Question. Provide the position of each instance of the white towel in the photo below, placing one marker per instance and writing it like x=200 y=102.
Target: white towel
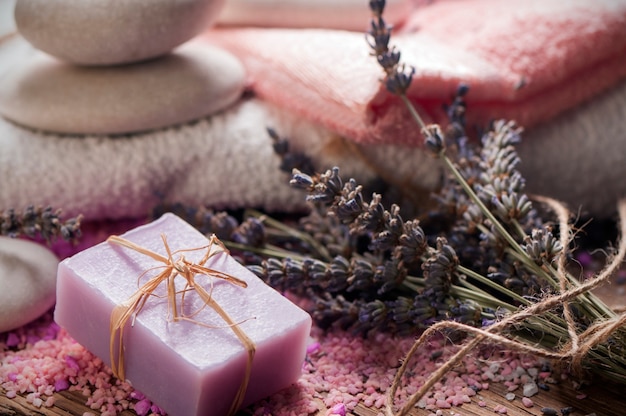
x=225 y=161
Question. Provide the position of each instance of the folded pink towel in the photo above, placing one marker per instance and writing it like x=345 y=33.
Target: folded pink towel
x=527 y=61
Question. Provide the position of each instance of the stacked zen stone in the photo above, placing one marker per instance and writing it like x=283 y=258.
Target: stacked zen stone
x=93 y=67
x=90 y=67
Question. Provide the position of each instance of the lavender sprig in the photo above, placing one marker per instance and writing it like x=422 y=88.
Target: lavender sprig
x=39 y=222
x=513 y=242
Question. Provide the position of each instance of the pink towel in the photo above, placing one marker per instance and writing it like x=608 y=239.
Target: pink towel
x=527 y=61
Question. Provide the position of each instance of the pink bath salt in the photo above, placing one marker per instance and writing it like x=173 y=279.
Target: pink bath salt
x=442 y=404
x=512 y=387
x=142 y=407
x=527 y=402
x=337 y=410
x=500 y=409
x=313 y=348
x=204 y=365
x=137 y=395
x=61 y=384
x=71 y=363
x=37 y=402
x=469 y=391
x=12 y=340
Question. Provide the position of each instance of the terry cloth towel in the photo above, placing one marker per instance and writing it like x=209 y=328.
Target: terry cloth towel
x=552 y=65
x=224 y=161
x=529 y=62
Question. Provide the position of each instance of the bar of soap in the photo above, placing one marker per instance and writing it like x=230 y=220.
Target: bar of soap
x=184 y=367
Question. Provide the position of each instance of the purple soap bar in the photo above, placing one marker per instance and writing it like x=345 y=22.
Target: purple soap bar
x=185 y=367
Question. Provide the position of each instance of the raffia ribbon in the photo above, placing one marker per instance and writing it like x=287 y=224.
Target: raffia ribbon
x=188 y=270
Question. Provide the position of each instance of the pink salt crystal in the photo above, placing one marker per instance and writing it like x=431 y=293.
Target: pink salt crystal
x=142 y=407
x=500 y=409
x=12 y=340
x=527 y=402
x=184 y=367
x=71 y=363
x=337 y=410
x=442 y=404
x=61 y=384
x=313 y=348
x=512 y=387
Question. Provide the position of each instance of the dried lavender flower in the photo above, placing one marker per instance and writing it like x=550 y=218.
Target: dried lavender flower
x=398 y=76
x=43 y=222
x=290 y=160
x=542 y=246
x=440 y=267
x=433 y=139
x=250 y=232
x=222 y=224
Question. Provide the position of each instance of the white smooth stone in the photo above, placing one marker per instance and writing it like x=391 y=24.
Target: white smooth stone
x=28 y=274
x=41 y=92
x=353 y=15
x=96 y=32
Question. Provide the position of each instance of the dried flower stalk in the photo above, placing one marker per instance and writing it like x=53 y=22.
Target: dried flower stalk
x=44 y=222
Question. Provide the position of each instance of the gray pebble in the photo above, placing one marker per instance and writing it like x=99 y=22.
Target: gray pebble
x=44 y=93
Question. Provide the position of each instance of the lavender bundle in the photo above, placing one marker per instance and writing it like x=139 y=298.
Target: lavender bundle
x=483 y=264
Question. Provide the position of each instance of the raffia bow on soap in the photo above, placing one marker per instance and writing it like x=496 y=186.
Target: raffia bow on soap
x=188 y=270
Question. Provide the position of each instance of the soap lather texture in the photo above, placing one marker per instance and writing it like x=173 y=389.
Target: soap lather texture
x=184 y=367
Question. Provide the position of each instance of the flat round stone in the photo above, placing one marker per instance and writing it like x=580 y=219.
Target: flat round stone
x=28 y=274
x=351 y=15
x=41 y=92
x=97 y=32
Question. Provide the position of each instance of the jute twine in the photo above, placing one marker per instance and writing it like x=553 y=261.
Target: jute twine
x=573 y=352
